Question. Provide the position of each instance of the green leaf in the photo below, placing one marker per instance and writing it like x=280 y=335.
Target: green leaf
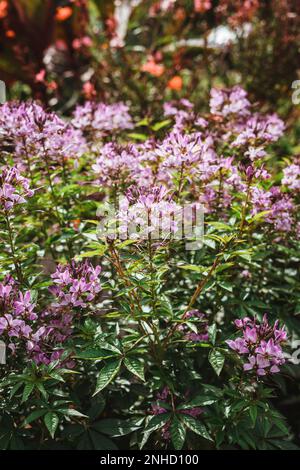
x=71 y=412
x=15 y=388
x=94 y=354
x=157 y=422
x=137 y=136
x=101 y=442
x=192 y=267
x=226 y=286
x=253 y=413
x=107 y=374
x=200 y=400
x=212 y=333
x=27 y=391
x=178 y=433
x=42 y=389
x=92 y=253
x=160 y=125
x=34 y=415
x=196 y=426
x=51 y=421
x=135 y=366
x=216 y=360
x=116 y=427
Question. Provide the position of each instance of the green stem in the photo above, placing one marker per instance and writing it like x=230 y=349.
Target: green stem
x=17 y=265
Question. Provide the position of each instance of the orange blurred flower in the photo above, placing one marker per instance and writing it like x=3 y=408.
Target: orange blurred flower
x=3 y=9
x=52 y=85
x=180 y=14
x=76 y=223
x=10 y=33
x=175 y=83
x=63 y=13
x=153 y=68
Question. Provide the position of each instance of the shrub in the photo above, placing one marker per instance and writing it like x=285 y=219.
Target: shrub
x=147 y=336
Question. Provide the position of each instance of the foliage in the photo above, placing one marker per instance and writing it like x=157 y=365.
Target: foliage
x=148 y=51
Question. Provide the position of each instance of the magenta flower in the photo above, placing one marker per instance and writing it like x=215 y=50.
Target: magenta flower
x=37 y=135
x=14 y=188
x=250 y=335
x=239 y=345
x=262 y=344
x=97 y=119
x=76 y=284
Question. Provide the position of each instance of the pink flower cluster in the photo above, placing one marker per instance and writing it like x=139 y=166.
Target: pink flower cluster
x=76 y=284
x=291 y=176
x=17 y=312
x=214 y=159
x=14 y=188
x=31 y=133
x=97 y=119
x=260 y=343
x=44 y=334
x=279 y=206
x=148 y=212
x=231 y=101
x=116 y=164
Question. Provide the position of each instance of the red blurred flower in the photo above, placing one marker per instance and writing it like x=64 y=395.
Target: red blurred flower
x=153 y=68
x=40 y=77
x=88 y=90
x=201 y=6
x=80 y=42
x=52 y=85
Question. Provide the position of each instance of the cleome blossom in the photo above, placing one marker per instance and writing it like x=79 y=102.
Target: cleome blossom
x=97 y=119
x=17 y=313
x=14 y=188
x=148 y=212
x=260 y=344
x=34 y=134
x=44 y=334
x=116 y=164
x=291 y=176
x=76 y=284
x=225 y=102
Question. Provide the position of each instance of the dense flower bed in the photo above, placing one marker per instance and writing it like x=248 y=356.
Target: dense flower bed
x=140 y=338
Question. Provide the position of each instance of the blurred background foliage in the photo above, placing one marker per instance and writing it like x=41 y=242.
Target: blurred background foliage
x=148 y=51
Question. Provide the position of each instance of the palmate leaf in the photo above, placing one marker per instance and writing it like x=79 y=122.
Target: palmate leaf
x=178 y=433
x=51 y=421
x=135 y=366
x=107 y=374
